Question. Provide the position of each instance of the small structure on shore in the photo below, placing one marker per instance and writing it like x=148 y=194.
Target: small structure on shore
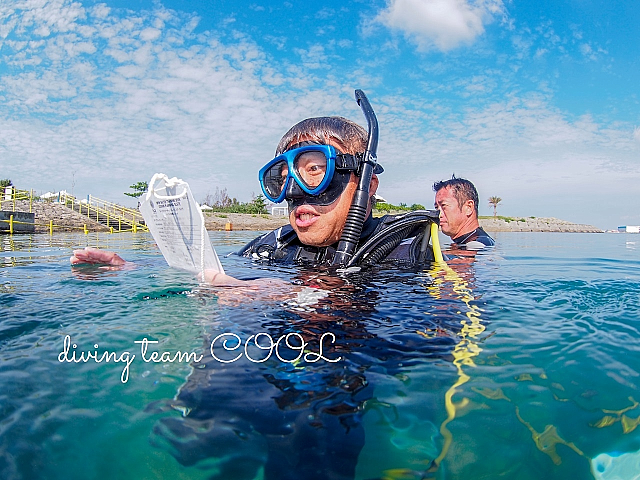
x=49 y=196
x=279 y=211
x=629 y=229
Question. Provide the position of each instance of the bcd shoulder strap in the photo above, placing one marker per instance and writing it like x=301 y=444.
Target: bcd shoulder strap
x=392 y=231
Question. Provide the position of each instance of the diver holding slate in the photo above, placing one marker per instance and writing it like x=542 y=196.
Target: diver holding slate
x=327 y=171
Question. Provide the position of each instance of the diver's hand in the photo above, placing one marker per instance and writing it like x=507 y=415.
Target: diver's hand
x=234 y=292
x=218 y=279
x=214 y=277
x=95 y=256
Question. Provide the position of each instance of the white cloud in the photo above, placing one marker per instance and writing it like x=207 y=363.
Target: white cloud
x=540 y=52
x=100 y=11
x=586 y=49
x=150 y=34
x=50 y=16
x=313 y=57
x=444 y=24
x=279 y=42
x=325 y=13
x=590 y=52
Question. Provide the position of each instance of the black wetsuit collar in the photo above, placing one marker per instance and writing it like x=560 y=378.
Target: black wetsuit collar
x=477 y=235
x=462 y=239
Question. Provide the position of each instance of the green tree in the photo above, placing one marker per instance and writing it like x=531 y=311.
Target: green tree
x=494 y=201
x=5 y=182
x=138 y=189
x=260 y=204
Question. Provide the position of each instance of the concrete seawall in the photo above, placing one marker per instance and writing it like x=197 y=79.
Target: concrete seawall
x=24 y=222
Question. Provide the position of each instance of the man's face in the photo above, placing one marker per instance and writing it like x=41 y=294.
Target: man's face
x=322 y=225
x=454 y=221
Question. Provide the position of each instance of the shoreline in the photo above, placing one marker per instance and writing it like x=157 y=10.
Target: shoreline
x=66 y=219
x=244 y=221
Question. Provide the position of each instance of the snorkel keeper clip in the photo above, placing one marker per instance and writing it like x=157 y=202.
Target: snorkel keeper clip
x=358 y=211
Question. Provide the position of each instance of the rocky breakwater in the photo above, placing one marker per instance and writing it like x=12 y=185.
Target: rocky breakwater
x=534 y=224
x=64 y=219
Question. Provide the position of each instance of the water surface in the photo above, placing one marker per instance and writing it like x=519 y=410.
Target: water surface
x=521 y=364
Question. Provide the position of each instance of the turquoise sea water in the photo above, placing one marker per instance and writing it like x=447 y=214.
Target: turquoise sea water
x=522 y=364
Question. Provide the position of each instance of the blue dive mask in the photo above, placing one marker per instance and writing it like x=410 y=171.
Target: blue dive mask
x=316 y=173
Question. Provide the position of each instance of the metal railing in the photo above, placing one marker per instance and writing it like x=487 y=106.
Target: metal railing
x=116 y=217
x=12 y=194
x=116 y=209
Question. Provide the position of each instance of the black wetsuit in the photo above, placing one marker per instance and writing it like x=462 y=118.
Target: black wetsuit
x=392 y=237
x=303 y=421
x=476 y=240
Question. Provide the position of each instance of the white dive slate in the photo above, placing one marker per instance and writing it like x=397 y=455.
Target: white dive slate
x=175 y=220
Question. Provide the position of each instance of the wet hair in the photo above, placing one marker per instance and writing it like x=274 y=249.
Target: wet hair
x=345 y=134
x=461 y=188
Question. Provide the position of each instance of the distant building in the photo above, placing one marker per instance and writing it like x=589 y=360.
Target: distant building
x=629 y=229
x=280 y=211
x=48 y=195
x=55 y=196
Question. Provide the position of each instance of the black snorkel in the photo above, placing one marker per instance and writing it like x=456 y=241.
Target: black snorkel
x=358 y=211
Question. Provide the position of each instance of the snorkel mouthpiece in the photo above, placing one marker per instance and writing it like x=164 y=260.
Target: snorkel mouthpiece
x=358 y=211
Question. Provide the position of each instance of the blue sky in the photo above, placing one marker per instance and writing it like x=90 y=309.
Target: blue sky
x=534 y=101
